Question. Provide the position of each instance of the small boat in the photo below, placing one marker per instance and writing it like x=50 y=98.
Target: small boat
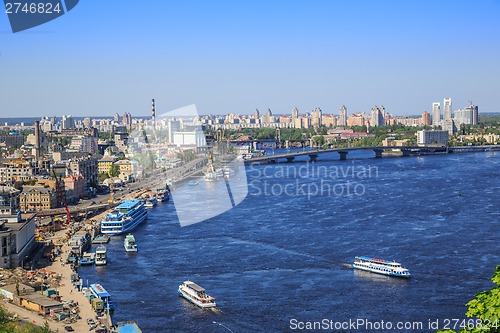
x=130 y=244
x=162 y=194
x=150 y=202
x=101 y=239
x=87 y=259
x=100 y=255
x=128 y=327
x=196 y=295
x=380 y=266
x=192 y=183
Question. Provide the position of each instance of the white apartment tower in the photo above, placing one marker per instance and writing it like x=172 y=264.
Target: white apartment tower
x=436 y=113
x=343 y=116
x=447 y=109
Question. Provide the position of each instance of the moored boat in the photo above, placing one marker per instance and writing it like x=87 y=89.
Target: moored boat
x=196 y=295
x=380 y=266
x=124 y=217
x=100 y=255
x=87 y=259
x=129 y=243
x=101 y=239
x=150 y=202
x=98 y=291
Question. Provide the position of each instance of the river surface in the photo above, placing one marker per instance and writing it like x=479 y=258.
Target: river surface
x=282 y=255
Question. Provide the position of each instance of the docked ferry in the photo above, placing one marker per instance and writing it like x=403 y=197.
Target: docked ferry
x=380 y=266
x=124 y=218
x=100 y=255
x=196 y=295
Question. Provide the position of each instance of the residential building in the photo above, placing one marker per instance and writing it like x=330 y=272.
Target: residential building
x=435 y=137
x=12 y=140
x=9 y=200
x=426 y=118
x=16 y=169
x=343 y=116
x=105 y=163
x=87 y=167
x=75 y=187
x=17 y=238
x=436 y=113
x=447 y=109
x=37 y=197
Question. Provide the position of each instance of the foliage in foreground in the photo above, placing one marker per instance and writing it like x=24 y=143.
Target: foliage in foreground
x=485 y=309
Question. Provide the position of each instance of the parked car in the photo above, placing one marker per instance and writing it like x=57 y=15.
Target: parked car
x=68 y=329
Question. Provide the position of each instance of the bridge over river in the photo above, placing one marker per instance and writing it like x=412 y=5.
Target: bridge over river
x=378 y=150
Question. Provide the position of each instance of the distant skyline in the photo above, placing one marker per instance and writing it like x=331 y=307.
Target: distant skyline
x=226 y=56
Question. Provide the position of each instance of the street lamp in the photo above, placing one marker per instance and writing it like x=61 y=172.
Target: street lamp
x=220 y=324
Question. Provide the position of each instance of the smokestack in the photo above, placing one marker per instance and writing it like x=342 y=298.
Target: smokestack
x=153 y=113
x=37 y=140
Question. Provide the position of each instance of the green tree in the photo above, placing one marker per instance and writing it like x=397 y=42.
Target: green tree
x=114 y=170
x=485 y=307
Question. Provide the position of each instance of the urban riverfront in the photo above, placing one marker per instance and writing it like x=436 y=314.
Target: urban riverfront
x=272 y=259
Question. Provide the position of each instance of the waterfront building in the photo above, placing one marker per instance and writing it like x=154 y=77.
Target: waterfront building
x=434 y=137
x=25 y=296
x=436 y=113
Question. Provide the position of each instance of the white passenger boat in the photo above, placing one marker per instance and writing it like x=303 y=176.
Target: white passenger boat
x=100 y=255
x=380 y=266
x=124 y=218
x=196 y=295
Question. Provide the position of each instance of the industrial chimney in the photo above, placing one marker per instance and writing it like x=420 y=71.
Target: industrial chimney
x=37 y=141
x=153 y=113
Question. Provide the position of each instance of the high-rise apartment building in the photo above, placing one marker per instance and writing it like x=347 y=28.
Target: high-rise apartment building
x=447 y=109
x=436 y=113
x=343 y=116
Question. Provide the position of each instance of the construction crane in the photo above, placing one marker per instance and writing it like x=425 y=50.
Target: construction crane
x=62 y=195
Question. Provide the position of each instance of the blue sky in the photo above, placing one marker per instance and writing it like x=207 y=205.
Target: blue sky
x=234 y=56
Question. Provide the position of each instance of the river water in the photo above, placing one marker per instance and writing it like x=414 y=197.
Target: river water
x=281 y=256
